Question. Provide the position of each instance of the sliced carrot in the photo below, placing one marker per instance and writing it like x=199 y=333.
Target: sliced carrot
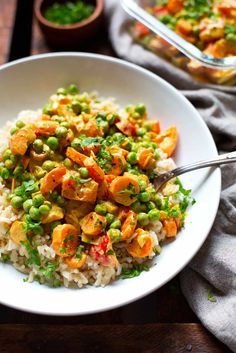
x=74 y=262
x=76 y=156
x=25 y=161
x=73 y=190
x=155 y=126
x=145 y=158
x=20 y=141
x=175 y=6
x=122 y=213
x=127 y=127
x=129 y=225
x=170 y=227
x=95 y=171
x=45 y=128
x=18 y=232
x=52 y=179
x=141 y=29
x=141 y=245
x=93 y=224
x=184 y=27
x=89 y=127
x=167 y=140
x=124 y=189
x=65 y=240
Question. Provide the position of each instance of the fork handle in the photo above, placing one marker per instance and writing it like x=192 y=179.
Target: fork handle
x=221 y=159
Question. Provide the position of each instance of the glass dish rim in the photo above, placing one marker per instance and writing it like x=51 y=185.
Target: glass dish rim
x=191 y=51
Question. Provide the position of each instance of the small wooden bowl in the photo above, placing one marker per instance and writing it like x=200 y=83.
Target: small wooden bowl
x=68 y=36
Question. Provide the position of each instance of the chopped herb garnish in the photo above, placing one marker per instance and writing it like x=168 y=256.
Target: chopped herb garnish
x=134 y=271
x=48 y=270
x=4 y=257
x=34 y=258
x=78 y=254
x=210 y=296
x=110 y=252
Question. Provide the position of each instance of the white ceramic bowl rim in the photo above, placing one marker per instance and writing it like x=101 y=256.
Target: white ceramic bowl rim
x=127 y=295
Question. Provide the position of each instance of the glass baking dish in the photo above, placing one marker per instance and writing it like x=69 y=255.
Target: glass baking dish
x=179 y=51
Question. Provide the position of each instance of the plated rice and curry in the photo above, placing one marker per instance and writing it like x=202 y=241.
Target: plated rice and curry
x=77 y=201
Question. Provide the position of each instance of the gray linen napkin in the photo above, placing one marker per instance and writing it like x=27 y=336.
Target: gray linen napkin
x=209 y=282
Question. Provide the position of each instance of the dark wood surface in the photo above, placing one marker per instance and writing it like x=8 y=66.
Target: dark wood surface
x=161 y=322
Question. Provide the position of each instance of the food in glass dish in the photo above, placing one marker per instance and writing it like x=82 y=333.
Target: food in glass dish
x=209 y=25
x=78 y=205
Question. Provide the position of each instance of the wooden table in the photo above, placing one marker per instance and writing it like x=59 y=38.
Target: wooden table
x=161 y=322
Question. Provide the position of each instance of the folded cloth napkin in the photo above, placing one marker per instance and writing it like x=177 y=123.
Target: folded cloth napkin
x=209 y=282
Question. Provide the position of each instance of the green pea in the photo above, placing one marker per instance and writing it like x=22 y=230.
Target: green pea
x=85 y=108
x=67 y=163
x=44 y=210
x=27 y=205
x=115 y=235
x=132 y=158
x=157 y=200
x=231 y=37
x=47 y=109
x=5 y=174
x=150 y=205
x=115 y=224
x=27 y=176
x=62 y=91
x=7 y=154
x=112 y=131
x=136 y=206
x=143 y=207
x=53 y=143
x=9 y=164
x=141 y=131
x=110 y=218
x=20 y=124
x=38 y=229
x=34 y=213
x=136 y=115
x=38 y=200
x=147 y=126
x=84 y=173
x=142 y=184
x=77 y=107
x=143 y=219
x=154 y=215
x=140 y=108
x=13 y=130
x=54 y=195
x=18 y=171
x=111 y=118
x=60 y=200
x=48 y=165
x=57 y=118
x=144 y=196
x=61 y=131
x=17 y=202
x=65 y=124
x=38 y=146
x=101 y=209
x=73 y=89
x=76 y=143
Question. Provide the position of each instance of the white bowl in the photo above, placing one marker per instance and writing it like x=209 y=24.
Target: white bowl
x=27 y=84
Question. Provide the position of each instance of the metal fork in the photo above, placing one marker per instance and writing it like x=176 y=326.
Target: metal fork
x=161 y=179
